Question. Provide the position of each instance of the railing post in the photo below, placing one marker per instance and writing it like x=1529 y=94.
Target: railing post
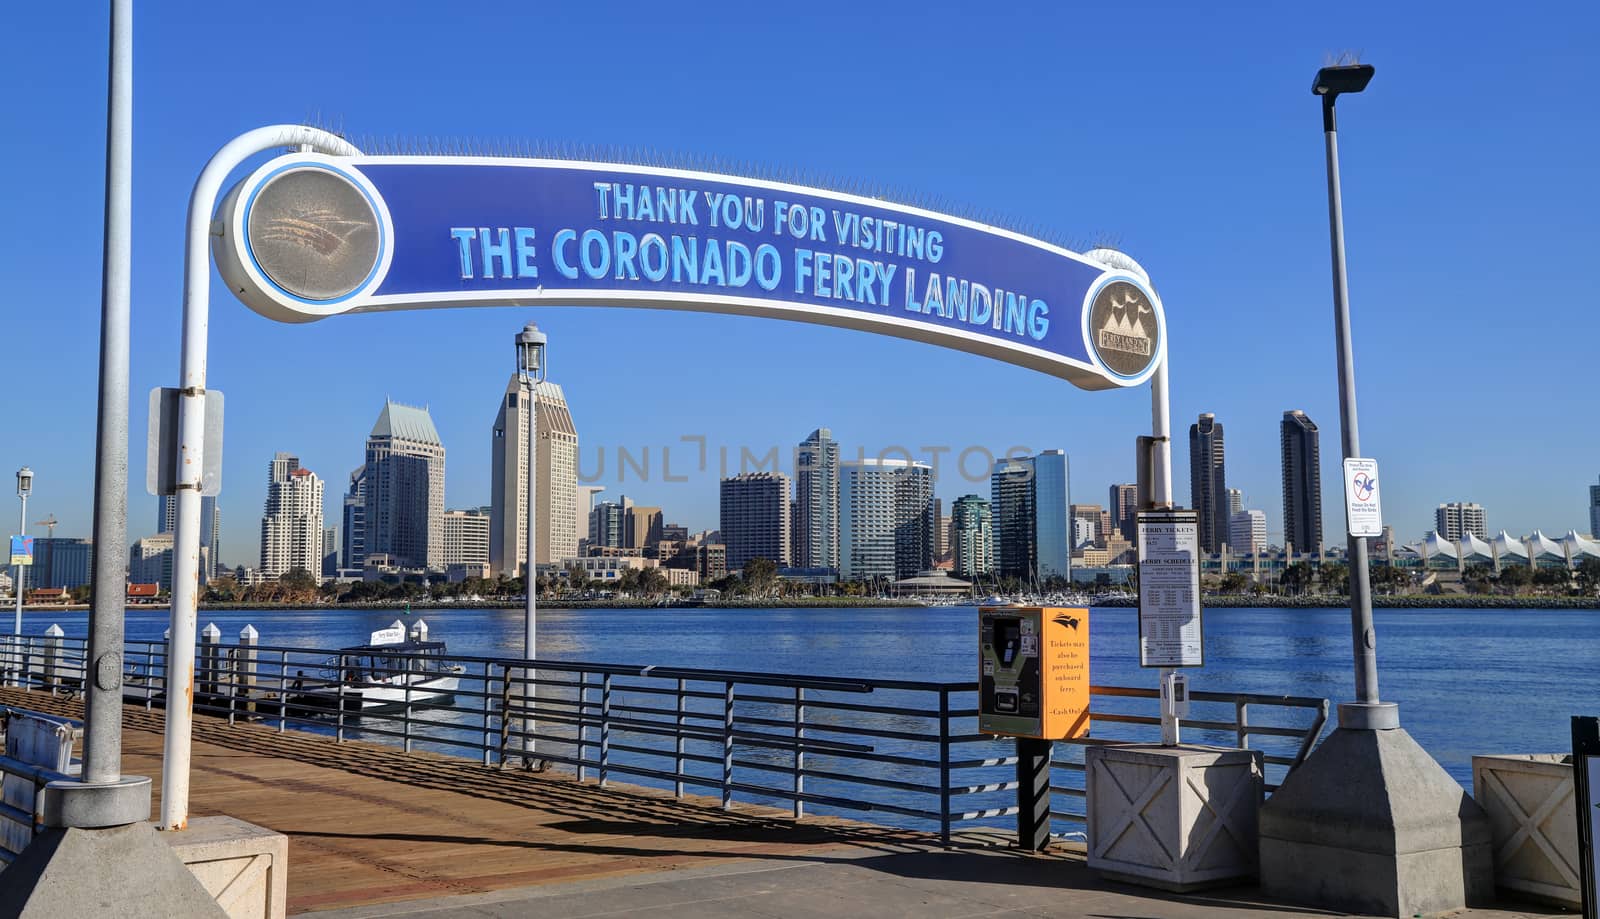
x=338 y=674
x=283 y=690
x=405 y=730
x=679 y=722
x=232 y=683
x=799 y=751
x=605 y=729
x=505 y=712
x=485 y=700
x=727 y=745
x=52 y=655
x=1241 y=717
x=245 y=676
x=149 y=676
x=583 y=724
x=210 y=643
x=944 y=767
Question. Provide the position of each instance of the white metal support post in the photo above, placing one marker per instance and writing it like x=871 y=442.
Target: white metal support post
x=18 y=581
x=1161 y=498
x=530 y=373
x=191 y=432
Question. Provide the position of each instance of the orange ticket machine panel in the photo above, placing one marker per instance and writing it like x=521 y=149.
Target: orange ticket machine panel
x=1033 y=678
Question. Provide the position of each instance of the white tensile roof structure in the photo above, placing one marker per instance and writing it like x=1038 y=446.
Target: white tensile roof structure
x=1579 y=548
x=1509 y=548
x=1433 y=544
x=1543 y=548
x=1475 y=550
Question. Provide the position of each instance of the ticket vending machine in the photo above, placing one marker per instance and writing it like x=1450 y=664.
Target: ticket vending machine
x=1033 y=677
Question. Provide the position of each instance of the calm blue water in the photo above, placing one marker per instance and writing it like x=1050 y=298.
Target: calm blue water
x=1467 y=681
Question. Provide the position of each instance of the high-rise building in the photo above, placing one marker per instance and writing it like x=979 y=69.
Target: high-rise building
x=1208 y=482
x=1453 y=521
x=886 y=519
x=404 y=517
x=1302 y=482
x=1247 y=532
x=1235 y=502
x=1594 y=511
x=466 y=536
x=556 y=458
x=606 y=526
x=353 y=528
x=816 y=539
x=644 y=526
x=1124 y=508
x=150 y=561
x=291 y=520
x=61 y=562
x=1032 y=519
x=1097 y=525
x=973 y=536
x=210 y=529
x=330 y=553
x=755 y=518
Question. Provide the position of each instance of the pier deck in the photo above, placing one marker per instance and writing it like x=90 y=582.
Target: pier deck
x=376 y=832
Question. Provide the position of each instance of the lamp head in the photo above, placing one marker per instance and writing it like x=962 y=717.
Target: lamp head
x=1342 y=78
x=24 y=481
x=530 y=353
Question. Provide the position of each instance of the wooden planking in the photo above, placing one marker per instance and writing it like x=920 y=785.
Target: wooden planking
x=370 y=824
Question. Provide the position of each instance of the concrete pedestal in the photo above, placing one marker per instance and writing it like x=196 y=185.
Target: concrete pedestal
x=243 y=866
x=117 y=871
x=1176 y=818
x=1371 y=824
x=1531 y=803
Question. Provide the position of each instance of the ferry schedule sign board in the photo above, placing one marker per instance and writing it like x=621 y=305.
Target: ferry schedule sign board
x=1171 y=633
x=308 y=236
x=1586 y=775
x=1363 y=512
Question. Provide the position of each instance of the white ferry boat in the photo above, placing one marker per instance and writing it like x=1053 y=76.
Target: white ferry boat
x=390 y=671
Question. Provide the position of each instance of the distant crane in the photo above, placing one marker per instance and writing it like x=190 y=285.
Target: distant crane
x=49 y=522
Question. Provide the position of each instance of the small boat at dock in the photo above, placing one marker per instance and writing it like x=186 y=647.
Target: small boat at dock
x=392 y=670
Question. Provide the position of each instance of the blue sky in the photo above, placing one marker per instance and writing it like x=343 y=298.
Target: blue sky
x=1185 y=133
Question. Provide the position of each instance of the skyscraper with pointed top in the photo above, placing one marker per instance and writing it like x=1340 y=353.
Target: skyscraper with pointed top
x=1208 y=482
x=556 y=491
x=1302 y=482
x=816 y=525
x=404 y=488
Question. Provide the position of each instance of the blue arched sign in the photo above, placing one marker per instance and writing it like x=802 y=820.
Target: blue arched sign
x=308 y=236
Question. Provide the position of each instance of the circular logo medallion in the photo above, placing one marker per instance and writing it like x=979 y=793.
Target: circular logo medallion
x=1123 y=327
x=314 y=234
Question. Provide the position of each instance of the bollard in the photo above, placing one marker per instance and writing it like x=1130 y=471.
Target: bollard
x=52 y=657
x=210 y=658
x=244 y=677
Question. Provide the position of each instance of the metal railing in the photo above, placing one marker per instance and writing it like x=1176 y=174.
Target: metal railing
x=17 y=825
x=896 y=752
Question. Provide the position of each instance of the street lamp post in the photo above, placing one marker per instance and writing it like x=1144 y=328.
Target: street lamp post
x=24 y=486
x=530 y=373
x=1367 y=712
x=1369 y=823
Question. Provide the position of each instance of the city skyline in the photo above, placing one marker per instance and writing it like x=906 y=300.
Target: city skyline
x=1261 y=166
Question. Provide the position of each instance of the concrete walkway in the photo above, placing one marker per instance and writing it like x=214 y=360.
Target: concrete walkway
x=925 y=885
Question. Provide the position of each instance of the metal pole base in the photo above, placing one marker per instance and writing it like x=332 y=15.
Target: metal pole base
x=86 y=806
x=1369 y=716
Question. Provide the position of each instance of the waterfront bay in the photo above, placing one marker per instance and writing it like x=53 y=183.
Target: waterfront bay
x=1467 y=681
